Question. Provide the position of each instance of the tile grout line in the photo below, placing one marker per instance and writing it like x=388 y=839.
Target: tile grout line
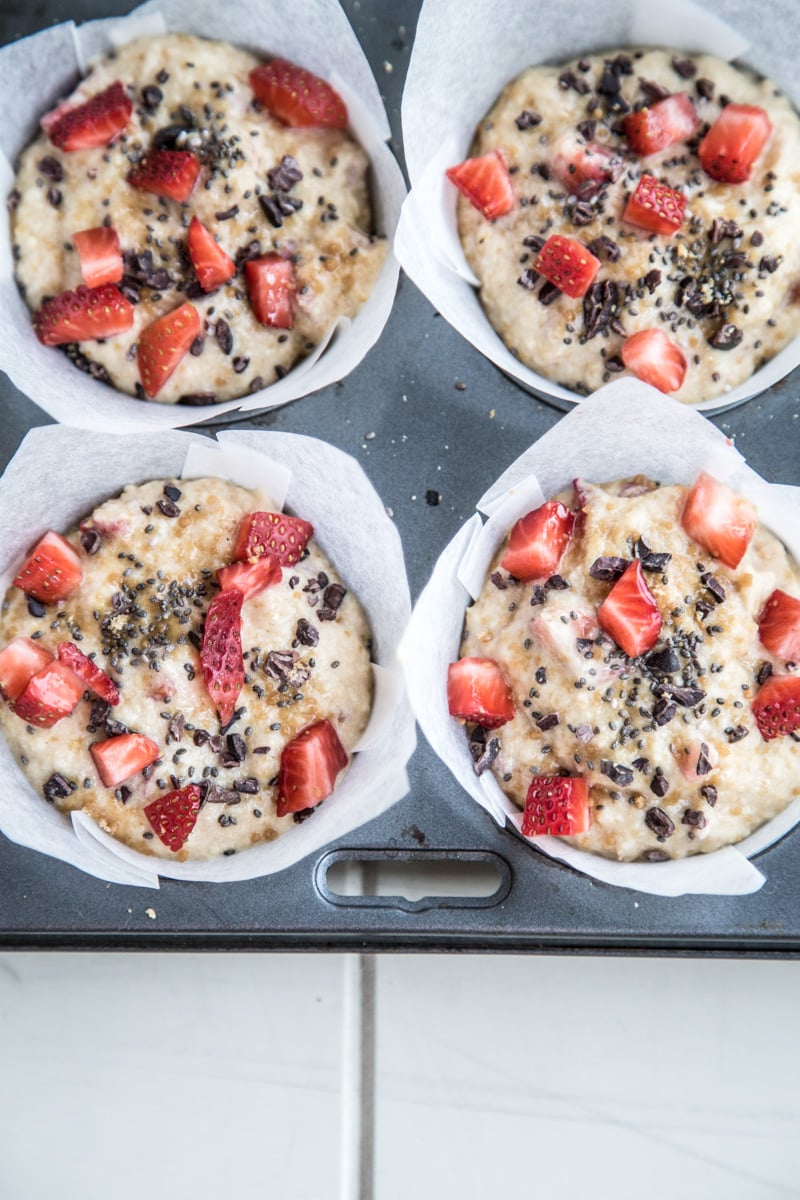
x=358 y=1078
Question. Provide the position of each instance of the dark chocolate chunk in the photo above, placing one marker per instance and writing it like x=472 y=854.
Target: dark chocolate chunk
x=600 y=307
x=661 y=825
x=587 y=129
x=56 y=788
x=548 y=721
x=548 y=292
x=659 y=786
x=306 y=633
x=556 y=584
x=687 y=696
x=714 y=586
x=709 y=794
x=533 y=241
x=168 y=507
x=497 y=579
x=694 y=818
x=283 y=177
x=166 y=138
x=663 y=662
x=152 y=97
x=722 y=228
x=527 y=119
x=279 y=663
x=236 y=747
x=608 y=568
x=272 y=210
x=705 y=88
x=172 y=492
x=617 y=773
x=652 y=279
x=248 y=785
x=609 y=84
x=223 y=335
x=652 y=91
x=606 y=246
x=703 y=761
x=726 y=337
x=769 y=263
x=685 y=67
x=51 y=168
x=220 y=795
x=663 y=711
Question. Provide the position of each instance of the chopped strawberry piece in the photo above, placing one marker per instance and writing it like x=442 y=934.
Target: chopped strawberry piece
x=250 y=578
x=629 y=614
x=477 y=690
x=51 y=118
x=673 y=119
x=655 y=206
x=97 y=122
x=567 y=264
x=722 y=522
x=271 y=286
x=164 y=344
x=83 y=316
x=221 y=652
x=779 y=626
x=169 y=173
x=309 y=766
x=776 y=706
x=52 y=570
x=94 y=677
x=100 y=255
x=734 y=142
x=173 y=816
x=50 y=695
x=698 y=759
x=119 y=758
x=655 y=359
x=556 y=804
x=296 y=97
x=212 y=265
x=273 y=534
x=537 y=542
x=486 y=183
x=576 y=162
x=20 y=660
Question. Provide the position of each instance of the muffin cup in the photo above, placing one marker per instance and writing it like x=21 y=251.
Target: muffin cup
x=586 y=443
x=317 y=481
x=37 y=71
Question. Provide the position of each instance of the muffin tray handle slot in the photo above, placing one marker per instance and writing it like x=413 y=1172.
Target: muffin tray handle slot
x=413 y=880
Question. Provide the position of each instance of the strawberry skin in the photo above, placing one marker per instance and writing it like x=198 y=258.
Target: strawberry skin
x=275 y=534
x=100 y=255
x=486 y=183
x=629 y=614
x=173 y=816
x=50 y=695
x=477 y=690
x=250 y=578
x=296 y=97
x=673 y=119
x=168 y=173
x=567 y=264
x=537 y=542
x=776 y=706
x=309 y=766
x=20 y=660
x=719 y=520
x=164 y=344
x=576 y=162
x=212 y=265
x=119 y=758
x=655 y=206
x=94 y=678
x=52 y=571
x=97 y=122
x=556 y=804
x=83 y=316
x=734 y=142
x=655 y=359
x=221 y=652
x=779 y=626
x=271 y=286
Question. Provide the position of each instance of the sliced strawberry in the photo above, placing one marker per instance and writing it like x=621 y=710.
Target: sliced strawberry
x=52 y=570
x=296 y=97
x=477 y=690
x=734 y=142
x=164 y=344
x=673 y=119
x=212 y=265
x=118 y=758
x=566 y=264
x=722 y=522
x=629 y=614
x=309 y=766
x=169 y=173
x=655 y=206
x=20 y=660
x=97 y=122
x=221 y=652
x=250 y=578
x=556 y=804
x=100 y=255
x=83 y=316
x=94 y=677
x=537 y=542
x=51 y=118
x=779 y=626
x=776 y=706
x=486 y=183
x=50 y=695
x=173 y=816
x=271 y=286
x=273 y=534
x=655 y=359
x=575 y=162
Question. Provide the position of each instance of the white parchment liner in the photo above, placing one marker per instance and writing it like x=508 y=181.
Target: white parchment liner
x=350 y=523
x=600 y=441
x=37 y=71
x=448 y=92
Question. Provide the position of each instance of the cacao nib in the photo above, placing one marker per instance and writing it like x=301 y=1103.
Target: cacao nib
x=608 y=568
x=769 y=263
x=652 y=91
x=658 y=821
x=220 y=795
x=228 y=214
x=306 y=633
x=236 y=747
x=51 y=168
x=714 y=586
x=152 y=97
x=587 y=129
x=483 y=752
x=684 y=67
x=556 y=584
x=249 y=785
x=764 y=672
x=548 y=721
x=737 y=733
x=663 y=711
x=283 y=177
x=703 y=761
x=694 y=819
x=606 y=246
x=600 y=307
x=727 y=337
x=652 y=279
x=55 y=196
x=56 y=788
x=224 y=336
x=533 y=242
x=91 y=540
x=617 y=773
x=687 y=696
x=279 y=663
x=659 y=786
x=548 y=292
x=663 y=662
x=709 y=794
x=499 y=582
x=705 y=88
x=527 y=119
x=175 y=727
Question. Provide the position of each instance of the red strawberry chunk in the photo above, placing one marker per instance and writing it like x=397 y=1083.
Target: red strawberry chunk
x=20 y=660
x=271 y=286
x=51 y=118
x=673 y=119
x=629 y=614
x=655 y=359
x=250 y=578
x=221 y=652
x=296 y=97
x=655 y=206
x=722 y=522
x=50 y=695
x=173 y=816
x=212 y=265
x=486 y=183
x=52 y=571
x=100 y=255
x=270 y=533
x=164 y=344
x=779 y=626
x=97 y=122
x=776 y=706
x=734 y=142
x=537 y=542
x=94 y=677
x=169 y=173
x=83 y=316
x=556 y=804
x=567 y=264
x=576 y=162
x=477 y=690
x=310 y=763
x=121 y=757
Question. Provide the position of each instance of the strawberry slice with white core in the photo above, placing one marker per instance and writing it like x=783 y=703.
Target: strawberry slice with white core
x=310 y=764
x=20 y=660
x=537 y=542
x=250 y=578
x=575 y=162
x=96 y=122
x=567 y=264
x=297 y=97
x=120 y=758
x=673 y=119
x=779 y=626
x=83 y=315
x=221 y=652
x=50 y=695
x=271 y=285
x=719 y=520
x=486 y=183
x=655 y=206
x=655 y=359
x=477 y=690
x=734 y=142
x=212 y=265
x=776 y=706
x=94 y=677
x=52 y=571
x=164 y=344
x=274 y=534
x=557 y=805
x=173 y=816
x=100 y=255
x=629 y=614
